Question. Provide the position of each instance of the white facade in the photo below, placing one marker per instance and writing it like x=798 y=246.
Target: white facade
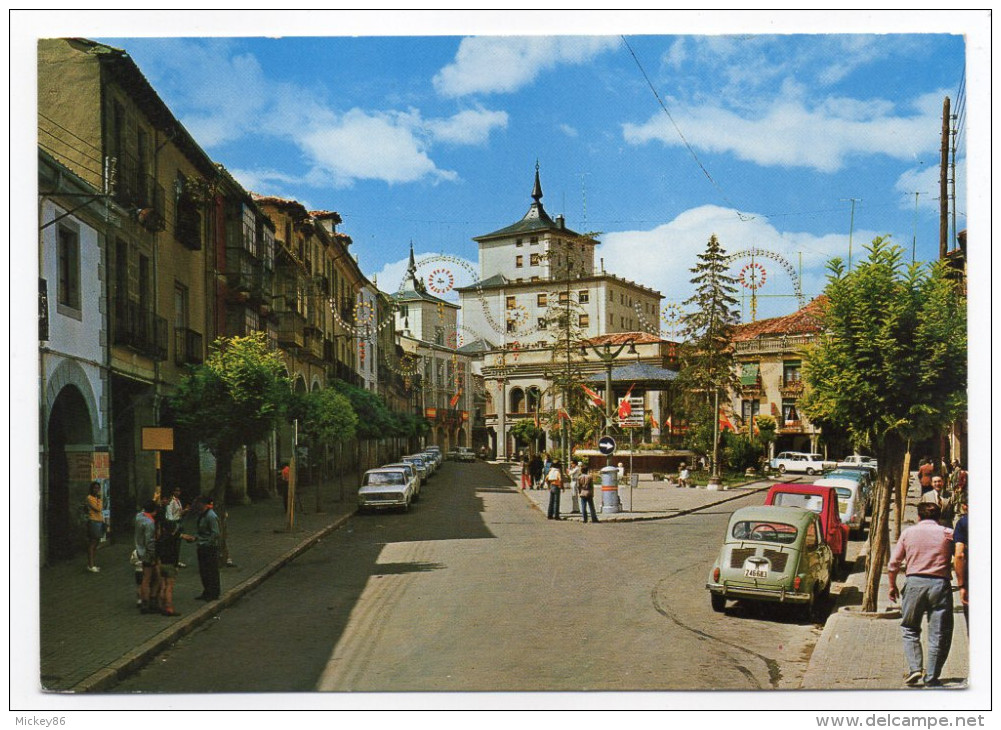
x=368 y=339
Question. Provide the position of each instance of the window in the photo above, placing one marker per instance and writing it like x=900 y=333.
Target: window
x=534 y=259
x=534 y=278
x=180 y=306
x=790 y=414
x=811 y=536
x=583 y=296
x=510 y=302
x=611 y=296
x=584 y=320
x=519 y=280
x=519 y=261
x=520 y=242
x=564 y=297
x=69 y=268
x=622 y=298
x=791 y=371
x=541 y=300
x=512 y=326
x=534 y=240
x=404 y=310
x=749 y=408
x=542 y=323
x=187 y=215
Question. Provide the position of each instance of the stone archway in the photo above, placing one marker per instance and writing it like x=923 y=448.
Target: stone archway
x=70 y=448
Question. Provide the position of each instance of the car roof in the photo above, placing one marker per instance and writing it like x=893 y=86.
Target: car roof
x=382 y=469
x=789 y=515
x=855 y=475
x=799 y=489
x=836 y=482
x=396 y=466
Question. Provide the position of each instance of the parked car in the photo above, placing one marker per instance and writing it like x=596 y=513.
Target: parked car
x=419 y=464
x=462 y=453
x=431 y=458
x=435 y=453
x=859 y=460
x=773 y=554
x=851 y=503
x=800 y=462
x=822 y=501
x=384 y=489
x=864 y=475
x=412 y=476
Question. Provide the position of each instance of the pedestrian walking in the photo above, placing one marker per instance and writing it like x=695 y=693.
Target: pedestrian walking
x=924 y=551
x=554 y=479
x=572 y=474
x=935 y=495
x=96 y=527
x=535 y=471
x=585 y=489
x=526 y=472
x=960 y=562
x=145 y=543
x=207 y=541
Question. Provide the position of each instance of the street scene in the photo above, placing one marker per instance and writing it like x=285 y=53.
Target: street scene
x=574 y=367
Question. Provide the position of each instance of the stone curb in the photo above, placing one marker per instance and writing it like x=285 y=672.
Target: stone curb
x=135 y=659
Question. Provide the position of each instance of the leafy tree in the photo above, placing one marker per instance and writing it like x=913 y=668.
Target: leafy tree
x=525 y=431
x=325 y=417
x=374 y=419
x=740 y=451
x=890 y=366
x=233 y=399
x=707 y=364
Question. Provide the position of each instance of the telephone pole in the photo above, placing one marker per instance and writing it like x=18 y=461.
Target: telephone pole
x=851 y=228
x=943 y=179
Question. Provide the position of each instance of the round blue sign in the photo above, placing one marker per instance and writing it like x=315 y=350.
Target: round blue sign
x=606 y=445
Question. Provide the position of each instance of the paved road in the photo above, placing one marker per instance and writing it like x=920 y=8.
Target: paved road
x=474 y=590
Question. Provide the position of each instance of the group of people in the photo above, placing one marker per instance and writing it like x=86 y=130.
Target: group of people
x=157 y=554
x=543 y=472
x=929 y=553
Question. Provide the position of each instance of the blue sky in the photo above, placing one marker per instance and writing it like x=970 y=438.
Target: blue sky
x=654 y=139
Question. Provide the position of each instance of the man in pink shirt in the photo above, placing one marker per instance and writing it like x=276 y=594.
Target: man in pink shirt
x=926 y=551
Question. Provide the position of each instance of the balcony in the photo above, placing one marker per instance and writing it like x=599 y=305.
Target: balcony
x=139 y=329
x=139 y=191
x=788 y=343
x=187 y=347
x=290 y=329
x=313 y=345
x=791 y=388
x=323 y=284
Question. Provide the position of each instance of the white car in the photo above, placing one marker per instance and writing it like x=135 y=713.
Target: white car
x=859 y=460
x=851 y=502
x=385 y=489
x=800 y=462
x=462 y=453
x=412 y=475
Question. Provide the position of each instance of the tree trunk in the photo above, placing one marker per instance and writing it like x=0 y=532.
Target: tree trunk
x=890 y=457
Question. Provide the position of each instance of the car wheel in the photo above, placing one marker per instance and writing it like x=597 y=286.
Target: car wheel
x=717 y=602
x=782 y=468
x=809 y=471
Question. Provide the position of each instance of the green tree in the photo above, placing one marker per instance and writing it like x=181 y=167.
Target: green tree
x=707 y=363
x=890 y=366
x=325 y=417
x=233 y=399
x=525 y=431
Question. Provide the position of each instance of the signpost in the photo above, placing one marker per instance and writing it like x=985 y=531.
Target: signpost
x=157 y=440
x=606 y=445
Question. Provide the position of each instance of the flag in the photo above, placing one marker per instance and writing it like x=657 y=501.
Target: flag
x=595 y=398
x=455 y=398
x=563 y=414
x=625 y=407
x=669 y=424
x=725 y=423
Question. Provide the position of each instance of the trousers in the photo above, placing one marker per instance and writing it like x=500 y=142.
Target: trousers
x=931 y=597
x=208 y=570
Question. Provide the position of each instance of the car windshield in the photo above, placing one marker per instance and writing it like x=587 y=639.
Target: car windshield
x=764 y=531
x=380 y=479
x=844 y=493
x=812 y=502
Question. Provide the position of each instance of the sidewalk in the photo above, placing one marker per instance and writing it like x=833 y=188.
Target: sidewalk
x=866 y=651
x=91 y=631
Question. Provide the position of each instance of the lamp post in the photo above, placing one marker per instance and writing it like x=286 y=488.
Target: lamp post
x=607 y=355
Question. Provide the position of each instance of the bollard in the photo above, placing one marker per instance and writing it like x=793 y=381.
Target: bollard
x=610 y=502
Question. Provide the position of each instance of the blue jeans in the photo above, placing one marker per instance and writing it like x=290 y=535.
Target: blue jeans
x=584 y=502
x=931 y=597
x=554 y=503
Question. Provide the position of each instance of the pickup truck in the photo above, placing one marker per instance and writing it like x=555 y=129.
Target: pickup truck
x=824 y=502
x=858 y=460
x=797 y=461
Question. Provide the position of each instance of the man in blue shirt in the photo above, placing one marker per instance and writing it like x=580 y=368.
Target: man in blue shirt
x=960 y=562
x=206 y=540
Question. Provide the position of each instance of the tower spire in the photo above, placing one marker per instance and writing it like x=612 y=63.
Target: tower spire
x=537 y=190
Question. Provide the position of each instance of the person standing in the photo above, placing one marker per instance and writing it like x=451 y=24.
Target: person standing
x=145 y=540
x=174 y=514
x=526 y=472
x=960 y=562
x=547 y=464
x=925 y=470
x=554 y=478
x=935 y=495
x=572 y=474
x=535 y=471
x=96 y=526
x=207 y=541
x=926 y=551
x=585 y=489
x=168 y=553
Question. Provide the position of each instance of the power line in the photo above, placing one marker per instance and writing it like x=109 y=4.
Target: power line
x=691 y=150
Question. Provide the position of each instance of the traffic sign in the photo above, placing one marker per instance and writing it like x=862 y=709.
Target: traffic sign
x=606 y=445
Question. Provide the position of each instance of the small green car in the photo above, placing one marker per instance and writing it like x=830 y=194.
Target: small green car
x=774 y=554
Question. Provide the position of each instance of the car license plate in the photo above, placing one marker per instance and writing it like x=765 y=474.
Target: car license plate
x=755 y=573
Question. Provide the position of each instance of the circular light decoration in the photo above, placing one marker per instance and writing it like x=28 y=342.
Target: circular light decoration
x=364 y=313
x=671 y=315
x=517 y=315
x=454 y=340
x=646 y=325
x=752 y=276
x=441 y=281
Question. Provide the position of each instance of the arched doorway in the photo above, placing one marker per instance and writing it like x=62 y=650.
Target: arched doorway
x=70 y=450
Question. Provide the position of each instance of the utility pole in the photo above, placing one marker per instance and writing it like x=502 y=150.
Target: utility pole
x=943 y=179
x=851 y=229
x=914 y=241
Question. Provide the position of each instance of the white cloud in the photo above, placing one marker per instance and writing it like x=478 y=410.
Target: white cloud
x=568 y=130
x=661 y=258
x=468 y=127
x=486 y=64
x=789 y=134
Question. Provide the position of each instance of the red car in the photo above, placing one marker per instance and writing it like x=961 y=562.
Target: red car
x=823 y=501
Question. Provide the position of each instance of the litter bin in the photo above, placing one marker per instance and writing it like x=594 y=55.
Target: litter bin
x=610 y=502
